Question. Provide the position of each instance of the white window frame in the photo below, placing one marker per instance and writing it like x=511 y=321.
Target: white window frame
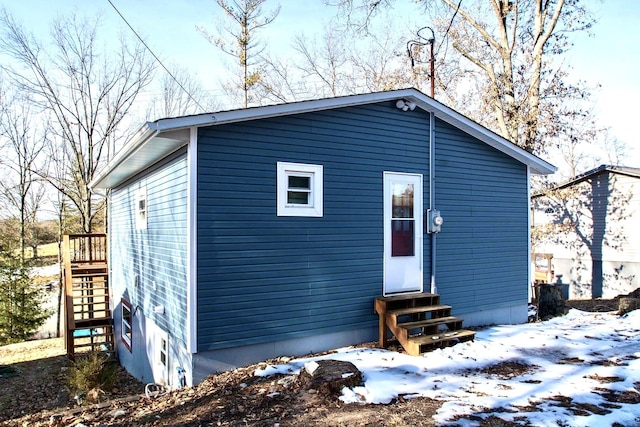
x=162 y=356
x=126 y=325
x=141 y=214
x=315 y=173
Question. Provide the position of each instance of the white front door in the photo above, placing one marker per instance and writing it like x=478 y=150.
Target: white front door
x=402 y=233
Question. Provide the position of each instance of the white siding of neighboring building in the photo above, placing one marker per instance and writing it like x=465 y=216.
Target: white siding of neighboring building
x=618 y=247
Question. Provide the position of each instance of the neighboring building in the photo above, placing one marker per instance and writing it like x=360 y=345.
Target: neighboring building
x=591 y=226
x=242 y=235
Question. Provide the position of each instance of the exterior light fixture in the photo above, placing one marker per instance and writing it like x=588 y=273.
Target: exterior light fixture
x=404 y=105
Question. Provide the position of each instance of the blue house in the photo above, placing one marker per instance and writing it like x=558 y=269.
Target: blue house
x=243 y=235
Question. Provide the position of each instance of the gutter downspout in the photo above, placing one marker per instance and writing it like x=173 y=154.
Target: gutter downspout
x=432 y=199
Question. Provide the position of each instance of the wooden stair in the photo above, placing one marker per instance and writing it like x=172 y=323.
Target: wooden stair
x=419 y=322
x=88 y=322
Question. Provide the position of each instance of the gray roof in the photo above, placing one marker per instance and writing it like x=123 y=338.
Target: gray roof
x=156 y=140
x=621 y=170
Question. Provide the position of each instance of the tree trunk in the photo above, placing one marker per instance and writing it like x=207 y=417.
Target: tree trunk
x=626 y=305
x=328 y=377
x=550 y=303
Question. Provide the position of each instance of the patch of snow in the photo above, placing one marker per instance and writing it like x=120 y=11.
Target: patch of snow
x=311 y=367
x=565 y=356
x=46 y=271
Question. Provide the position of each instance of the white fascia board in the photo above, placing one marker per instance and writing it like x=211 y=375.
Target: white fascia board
x=166 y=128
x=108 y=178
x=146 y=148
x=446 y=114
x=145 y=133
x=255 y=113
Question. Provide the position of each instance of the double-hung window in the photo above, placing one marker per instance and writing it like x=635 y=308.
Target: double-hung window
x=300 y=189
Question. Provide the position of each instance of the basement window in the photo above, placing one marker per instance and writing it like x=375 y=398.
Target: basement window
x=141 y=209
x=300 y=189
x=126 y=322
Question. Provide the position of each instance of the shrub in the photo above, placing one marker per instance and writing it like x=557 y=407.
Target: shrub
x=21 y=302
x=92 y=375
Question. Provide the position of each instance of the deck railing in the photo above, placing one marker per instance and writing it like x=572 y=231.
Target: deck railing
x=86 y=288
x=85 y=248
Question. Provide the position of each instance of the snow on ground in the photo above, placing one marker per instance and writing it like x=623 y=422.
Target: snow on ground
x=46 y=271
x=50 y=326
x=582 y=369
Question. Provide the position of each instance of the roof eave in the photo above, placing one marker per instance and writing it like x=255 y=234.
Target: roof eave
x=145 y=148
x=152 y=137
x=537 y=165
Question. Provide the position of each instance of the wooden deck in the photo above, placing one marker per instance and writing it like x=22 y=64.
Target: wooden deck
x=88 y=322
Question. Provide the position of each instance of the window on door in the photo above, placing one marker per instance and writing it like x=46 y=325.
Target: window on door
x=402 y=220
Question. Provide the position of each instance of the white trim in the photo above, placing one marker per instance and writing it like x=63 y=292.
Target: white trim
x=163 y=132
x=192 y=233
x=127 y=340
x=316 y=182
x=161 y=372
x=142 y=215
x=433 y=287
x=529 y=243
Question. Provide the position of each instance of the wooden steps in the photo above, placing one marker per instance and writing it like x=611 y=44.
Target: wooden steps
x=419 y=322
x=89 y=326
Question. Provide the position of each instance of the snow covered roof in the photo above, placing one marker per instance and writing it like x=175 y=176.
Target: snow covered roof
x=155 y=140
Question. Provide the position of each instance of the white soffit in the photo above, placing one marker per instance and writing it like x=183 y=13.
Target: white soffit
x=139 y=158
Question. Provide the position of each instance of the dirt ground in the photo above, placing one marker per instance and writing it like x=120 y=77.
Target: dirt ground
x=37 y=396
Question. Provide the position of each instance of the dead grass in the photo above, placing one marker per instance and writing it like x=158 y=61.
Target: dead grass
x=229 y=398
x=31 y=350
x=40 y=388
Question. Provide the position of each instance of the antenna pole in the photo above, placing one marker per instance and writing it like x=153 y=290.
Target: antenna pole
x=423 y=41
x=432 y=75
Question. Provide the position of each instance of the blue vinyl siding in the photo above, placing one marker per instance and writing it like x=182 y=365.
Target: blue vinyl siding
x=158 y=253
x=482 y=251
x=265 y=278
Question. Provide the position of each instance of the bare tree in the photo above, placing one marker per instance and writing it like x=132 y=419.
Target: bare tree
x=502 y=58
x=585 y=216
x=615 y=149
x=281 y=82
x=382 y=62
x=239 y=39
x=180 y=94
x=87 y=92
x=576 y=140
x=21 y=144
x=339 y=63
x=326 y=61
